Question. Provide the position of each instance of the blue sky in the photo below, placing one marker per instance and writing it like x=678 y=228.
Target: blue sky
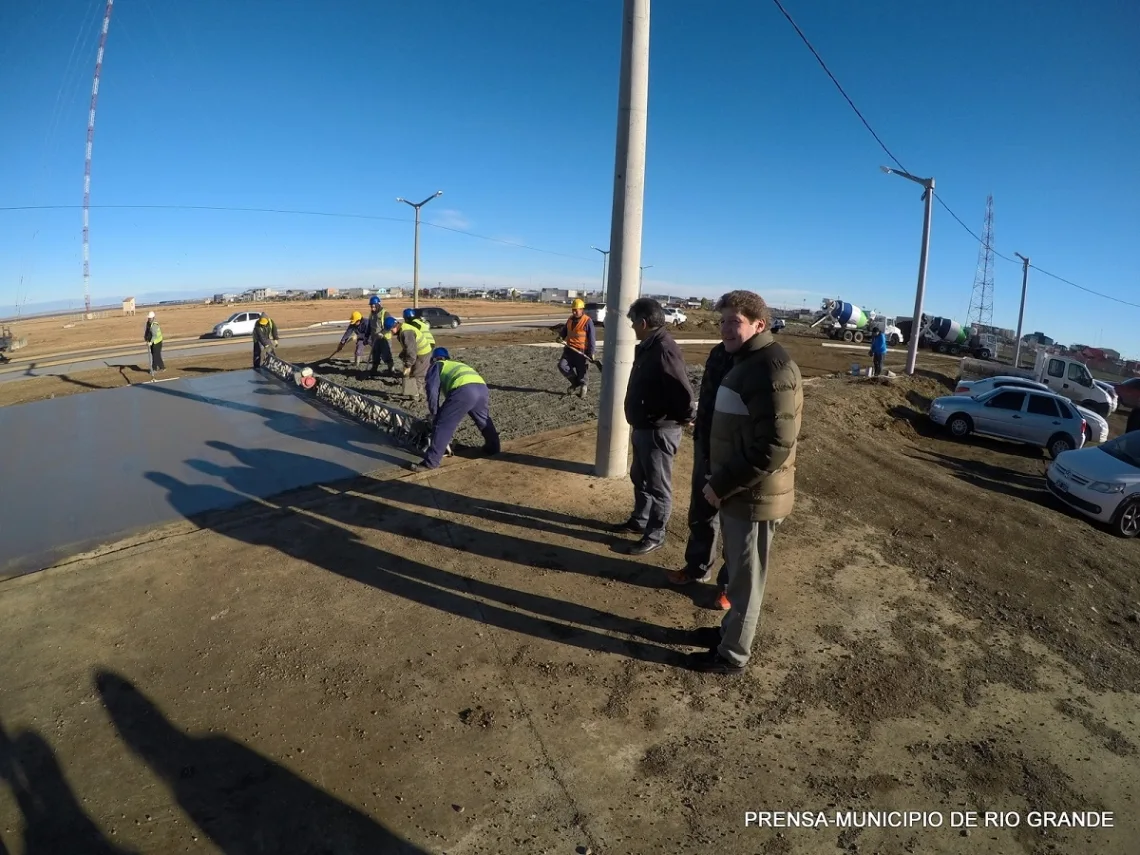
x=759 y=175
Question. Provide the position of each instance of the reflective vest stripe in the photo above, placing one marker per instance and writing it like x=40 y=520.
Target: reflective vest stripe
x=425 y=341
x=454 y=374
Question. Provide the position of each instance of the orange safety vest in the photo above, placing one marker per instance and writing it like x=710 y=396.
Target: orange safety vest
x=576 y=332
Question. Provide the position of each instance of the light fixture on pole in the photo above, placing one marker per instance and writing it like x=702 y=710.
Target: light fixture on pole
x=641 y=278
x=1021 y=312
x=416 y=262
x=605 y=257
x=920 y=292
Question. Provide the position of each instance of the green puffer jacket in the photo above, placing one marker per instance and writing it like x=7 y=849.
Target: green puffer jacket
x=752 y=442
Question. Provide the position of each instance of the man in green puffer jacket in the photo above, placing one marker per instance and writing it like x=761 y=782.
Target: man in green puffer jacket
x=752 y=465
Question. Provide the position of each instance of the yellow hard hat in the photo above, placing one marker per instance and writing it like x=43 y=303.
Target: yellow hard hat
x=355 y=317
x=578 y=304
x=264 y=319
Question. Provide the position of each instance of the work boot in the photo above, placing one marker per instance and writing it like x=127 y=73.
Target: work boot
x=582 y=391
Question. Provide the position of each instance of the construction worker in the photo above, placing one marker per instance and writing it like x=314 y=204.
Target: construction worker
x=580 y=339
x=416 y=345
x=264 y=338
x=878 y=351
x=464 y=393
x=152 y=335
x=356 y=327
x=381 y=343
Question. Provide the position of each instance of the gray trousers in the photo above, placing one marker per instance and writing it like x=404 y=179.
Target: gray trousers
x=746 y=546
x=654 y=450
x=702 y=550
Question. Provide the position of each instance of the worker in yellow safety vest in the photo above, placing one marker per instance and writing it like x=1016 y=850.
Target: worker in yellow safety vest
x=464 y=393
x=416 y=346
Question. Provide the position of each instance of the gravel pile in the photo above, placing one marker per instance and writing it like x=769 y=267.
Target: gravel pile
x=528 y=394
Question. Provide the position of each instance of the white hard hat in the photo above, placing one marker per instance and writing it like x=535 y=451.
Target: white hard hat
x=150 y=314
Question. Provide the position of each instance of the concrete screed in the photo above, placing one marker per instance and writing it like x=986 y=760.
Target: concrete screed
x=85 y=470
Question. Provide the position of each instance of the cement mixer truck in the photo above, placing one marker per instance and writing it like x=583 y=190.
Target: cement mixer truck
x=944 y=335
x=847 y=322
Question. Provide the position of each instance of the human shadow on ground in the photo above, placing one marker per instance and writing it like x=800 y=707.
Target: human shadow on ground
x=997 y=479
x=54 y=822
x=311 y=538
x=574 y=467
x=243 y=801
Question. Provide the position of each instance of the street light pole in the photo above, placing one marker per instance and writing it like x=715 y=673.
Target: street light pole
x=612 y=450
x=641 y=279
x=416 y=261
x=920 y=291
x=1021 y=312
x=605 y=257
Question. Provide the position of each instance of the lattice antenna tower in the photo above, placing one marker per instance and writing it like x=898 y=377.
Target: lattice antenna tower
x=982 y=299
x=87 y=159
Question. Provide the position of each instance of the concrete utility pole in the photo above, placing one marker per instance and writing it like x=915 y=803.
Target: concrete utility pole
x=920 y=292
x=641 y=278
x=1021 y=312
x=612 y=451
x=605 y=257
x=416 y=263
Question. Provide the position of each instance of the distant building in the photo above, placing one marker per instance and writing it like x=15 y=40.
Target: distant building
x=1038 y=338
x=326 y=293
x=556 y=295
x=129 y=306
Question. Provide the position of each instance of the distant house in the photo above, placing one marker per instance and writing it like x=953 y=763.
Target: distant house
x=129 y=306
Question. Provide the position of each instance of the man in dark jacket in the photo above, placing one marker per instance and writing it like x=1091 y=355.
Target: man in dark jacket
x=752 y=462
x=702 y=552
x=658 y=401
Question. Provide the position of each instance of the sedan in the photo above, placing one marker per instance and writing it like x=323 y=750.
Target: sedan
x=1129 y=392
x=437 y=317
x=1102 y=483
x=1096 y=428
x=1034 y=418
x=675 y=316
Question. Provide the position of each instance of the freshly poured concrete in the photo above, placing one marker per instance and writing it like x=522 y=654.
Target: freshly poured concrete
x=86 y=470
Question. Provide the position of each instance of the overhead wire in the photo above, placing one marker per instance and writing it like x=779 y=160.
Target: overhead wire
x=937 y=197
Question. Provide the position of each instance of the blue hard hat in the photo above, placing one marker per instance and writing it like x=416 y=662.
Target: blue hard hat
x=440 y=353
x=409 y=314
x=373 y=301
x=390 y=323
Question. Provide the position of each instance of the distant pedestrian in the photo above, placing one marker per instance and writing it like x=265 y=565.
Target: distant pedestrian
x=703 y=549
x=658 y=402
x=580 y=340
x=264 y=338
x=152 y=335
x=752 y=458
x=878 y=351
x=464 y=393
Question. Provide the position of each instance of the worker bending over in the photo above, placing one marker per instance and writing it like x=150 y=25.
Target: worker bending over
x=580 y=339
x=264 y=338
x=464 y=393
x=381 y=340
x=358 y=327
x=416 y=345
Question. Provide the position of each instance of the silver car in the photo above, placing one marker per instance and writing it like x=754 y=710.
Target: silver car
x=1096 y=428
x=1020 y=415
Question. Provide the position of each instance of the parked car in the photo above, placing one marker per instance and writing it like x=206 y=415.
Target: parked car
x=1128 y=392
x=1113 y=398
x=437 y=317
x=239 y=323
x=597 y=313
x=675 y=316
x=1025 y=416
x=1096 y=427
x=1102 y=483
x=778 y=324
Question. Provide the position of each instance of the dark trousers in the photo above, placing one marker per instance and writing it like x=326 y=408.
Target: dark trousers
x=471 y=400
x=381 y=352
x=156 y=362
x=258 y=349
x=654 y=450
x=877 y=364
x=703 y=548
x=574 y=366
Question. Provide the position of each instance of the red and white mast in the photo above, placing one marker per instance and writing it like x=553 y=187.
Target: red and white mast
x=87 y=161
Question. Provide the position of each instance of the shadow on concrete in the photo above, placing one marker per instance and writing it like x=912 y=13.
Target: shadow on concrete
x=54 y=822
x=317 y=539
x=575 y=467
x=243 y=801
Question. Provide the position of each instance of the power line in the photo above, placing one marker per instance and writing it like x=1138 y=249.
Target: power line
x=336 y=214
x=937 y=197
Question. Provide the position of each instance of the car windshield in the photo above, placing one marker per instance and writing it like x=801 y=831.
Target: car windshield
x=1125 y=447
x=234 y=317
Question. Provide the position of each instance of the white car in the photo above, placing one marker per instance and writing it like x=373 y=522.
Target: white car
x=597 y=313
x=675 y=316
x=239 y=323
x=1102 y=483
x=1113 y=398
x=1096 y=427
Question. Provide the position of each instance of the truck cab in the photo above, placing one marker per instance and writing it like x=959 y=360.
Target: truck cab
x=1072 y=379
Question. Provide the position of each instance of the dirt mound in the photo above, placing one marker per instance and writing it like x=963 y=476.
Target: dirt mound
x=852 y=406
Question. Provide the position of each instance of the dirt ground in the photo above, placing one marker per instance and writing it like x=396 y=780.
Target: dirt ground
x=461 y=662
x=71 y=333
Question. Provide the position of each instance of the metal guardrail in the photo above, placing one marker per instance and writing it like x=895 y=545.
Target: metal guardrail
x=405 y=429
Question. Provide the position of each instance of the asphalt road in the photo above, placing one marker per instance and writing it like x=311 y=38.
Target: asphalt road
x=86 y=361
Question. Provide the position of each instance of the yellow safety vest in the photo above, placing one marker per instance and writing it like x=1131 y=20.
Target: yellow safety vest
x=425 y=341
x=454 y=374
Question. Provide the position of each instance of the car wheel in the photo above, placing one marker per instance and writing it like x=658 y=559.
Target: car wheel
x=227 y=333
x=894 y=339
x=454 y=323
x=985 y=354
x=848 y=335
x=858 y=338
x=960 y=425
x=1059 y=444
x=1126 y=522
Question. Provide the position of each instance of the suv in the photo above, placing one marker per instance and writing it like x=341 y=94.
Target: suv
x=597 y=313
x=239 y=323
x=437 y=317
x=675 y=316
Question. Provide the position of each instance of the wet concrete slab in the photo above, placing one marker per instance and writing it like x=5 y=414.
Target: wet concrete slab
x=86 y=470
